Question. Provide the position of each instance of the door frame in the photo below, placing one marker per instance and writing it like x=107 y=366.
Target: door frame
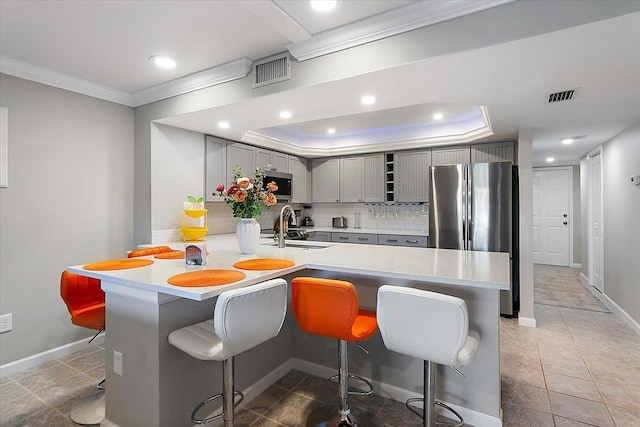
x=590 y=241
x=570 y=195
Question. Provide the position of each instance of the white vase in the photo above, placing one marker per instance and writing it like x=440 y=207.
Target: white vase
x=248 y=232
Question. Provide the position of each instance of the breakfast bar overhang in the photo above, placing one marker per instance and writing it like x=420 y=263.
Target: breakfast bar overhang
x=161 y=385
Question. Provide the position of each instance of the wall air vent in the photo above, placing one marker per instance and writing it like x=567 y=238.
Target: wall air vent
x=271 y=70
x=565 y=95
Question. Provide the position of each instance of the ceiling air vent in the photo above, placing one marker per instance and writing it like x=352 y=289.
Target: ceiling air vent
x=271 y=70
x=565 y=95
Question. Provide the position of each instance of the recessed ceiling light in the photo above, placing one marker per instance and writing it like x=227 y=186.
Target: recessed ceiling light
x=331 y=131
x=550 y=159
x=438 y=116
x=323 y=5
x=285 y=114
x=567 y=141
x=223 y=125
x=368 y=100
x=163 y=61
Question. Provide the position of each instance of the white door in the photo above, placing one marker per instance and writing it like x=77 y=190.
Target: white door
x=551 y=214
x=596 y=261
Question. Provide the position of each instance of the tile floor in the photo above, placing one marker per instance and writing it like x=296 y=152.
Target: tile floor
x=577 y=368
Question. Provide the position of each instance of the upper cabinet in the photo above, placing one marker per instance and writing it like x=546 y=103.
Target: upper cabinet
x=487 y=153
x=362 y=178
x=411 y=176
x=451 y=156
x=325 y=180
x=301 y=180
x=277 y=161
x=242 y=155
x=216 y=167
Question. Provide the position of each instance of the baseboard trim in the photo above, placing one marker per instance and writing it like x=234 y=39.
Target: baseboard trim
x=527 y=321
x=576 y=265
x=470 y=416
x=46 y=356
x=584 y=279
x=619 y=310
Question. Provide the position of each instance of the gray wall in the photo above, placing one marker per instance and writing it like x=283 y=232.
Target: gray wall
x=69 y=201
x=621 y=160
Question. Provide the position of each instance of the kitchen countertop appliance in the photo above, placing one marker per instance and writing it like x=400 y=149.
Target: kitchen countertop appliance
x=339 y=222
x=307 y=212
x=472 y=208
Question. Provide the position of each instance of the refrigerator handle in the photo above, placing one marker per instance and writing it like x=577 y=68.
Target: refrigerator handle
x=465 y=207
x=469 y=212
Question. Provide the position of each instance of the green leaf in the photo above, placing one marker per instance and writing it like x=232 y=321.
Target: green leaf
x=191 y=199
x=200 y=200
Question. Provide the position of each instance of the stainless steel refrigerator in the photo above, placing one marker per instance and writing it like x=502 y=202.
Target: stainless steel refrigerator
x=471 y=208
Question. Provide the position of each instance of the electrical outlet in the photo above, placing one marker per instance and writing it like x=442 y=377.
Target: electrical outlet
x=6 y=322
x=117 y=363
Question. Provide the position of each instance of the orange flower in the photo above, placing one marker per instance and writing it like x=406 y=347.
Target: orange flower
x=245 y=183
x=271 y=186
x=240 y=195
x=270 y=200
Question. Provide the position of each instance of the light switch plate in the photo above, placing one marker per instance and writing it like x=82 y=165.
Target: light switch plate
x=6 y=322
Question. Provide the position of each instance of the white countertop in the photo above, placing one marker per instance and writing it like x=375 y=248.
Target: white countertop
x=459 y=268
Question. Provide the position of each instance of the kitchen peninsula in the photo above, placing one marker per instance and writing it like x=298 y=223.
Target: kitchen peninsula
x=160 y=385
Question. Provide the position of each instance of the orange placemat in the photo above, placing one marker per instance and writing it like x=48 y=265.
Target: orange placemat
x=264 y=264
x=118 y=264
x=206 y=278
x=170 y=255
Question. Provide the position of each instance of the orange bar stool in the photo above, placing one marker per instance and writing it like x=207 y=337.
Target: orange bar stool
x=330 y=308
x=242 y=319
x=85 y=301
x=432 y=327
x=154 y=250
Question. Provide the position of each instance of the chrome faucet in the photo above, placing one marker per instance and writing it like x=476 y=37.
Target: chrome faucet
x=282 y=215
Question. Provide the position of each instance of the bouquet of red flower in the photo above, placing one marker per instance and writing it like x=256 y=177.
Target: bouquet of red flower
x=246 y=195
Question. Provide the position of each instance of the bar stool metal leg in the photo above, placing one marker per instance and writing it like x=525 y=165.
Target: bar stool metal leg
x=228 y=395
x=344 y=414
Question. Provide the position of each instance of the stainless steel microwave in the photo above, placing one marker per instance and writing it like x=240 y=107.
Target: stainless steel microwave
x=284 y=181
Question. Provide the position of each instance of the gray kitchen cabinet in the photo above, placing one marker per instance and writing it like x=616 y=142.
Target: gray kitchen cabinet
x=451 y=156
x=360 y=238
x=277 y=161
x=403 y=240
x=373 y=184
x=351 y=179
x=215 y=167
x=321 y=236
x=242 y=155
x=325 y=180
x=487 y=153
x=301 y=180
x=362 y=178
x=412 y=176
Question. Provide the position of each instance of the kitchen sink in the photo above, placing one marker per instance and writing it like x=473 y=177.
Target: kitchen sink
x=290 y=244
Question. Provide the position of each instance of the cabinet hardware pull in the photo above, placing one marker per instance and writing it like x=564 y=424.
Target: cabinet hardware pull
x=364 y=239
x=343 y=238
x=412 y=241
x=392 y=240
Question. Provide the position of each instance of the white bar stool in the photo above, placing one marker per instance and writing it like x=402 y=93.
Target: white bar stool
x=242 y=319
x=429 y=326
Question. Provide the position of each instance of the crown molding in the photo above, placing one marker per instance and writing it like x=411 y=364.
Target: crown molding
x=396 y=21
x=45 y=76
x=213 y=76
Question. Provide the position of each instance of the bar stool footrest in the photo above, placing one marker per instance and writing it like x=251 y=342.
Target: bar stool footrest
x=459 y=423
x=359 y=378
x=217 y=416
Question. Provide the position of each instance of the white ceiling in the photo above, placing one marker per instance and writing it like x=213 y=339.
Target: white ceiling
x=108 y=43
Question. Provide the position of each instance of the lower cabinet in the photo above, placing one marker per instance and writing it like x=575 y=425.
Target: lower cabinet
x=370 y=239
x=401 y=240
x=361 y=238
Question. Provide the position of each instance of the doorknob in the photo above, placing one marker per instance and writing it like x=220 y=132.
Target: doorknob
x=565 y=222
x=565 y=215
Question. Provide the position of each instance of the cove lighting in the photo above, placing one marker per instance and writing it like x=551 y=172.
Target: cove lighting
x=368 y=100
x=285 y=114
x=163 y=62
x=567 y=141
x=323 y=5
x=331 y=131
x=438 y=116
x=550 y=159
x=223 y=125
